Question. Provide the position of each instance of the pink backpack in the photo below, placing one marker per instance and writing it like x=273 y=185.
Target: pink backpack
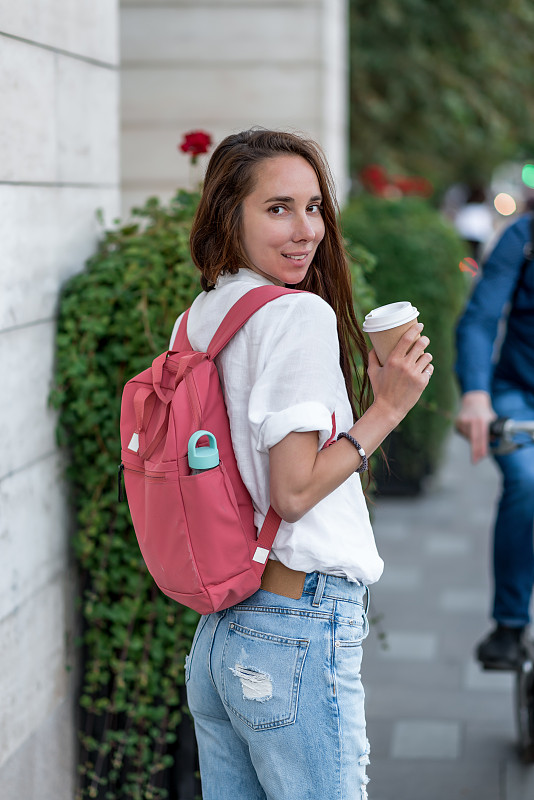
x=196 y=531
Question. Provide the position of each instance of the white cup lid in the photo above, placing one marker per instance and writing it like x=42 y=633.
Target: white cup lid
x=390 y=316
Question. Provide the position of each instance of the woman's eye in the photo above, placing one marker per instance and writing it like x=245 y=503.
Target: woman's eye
x=277 y=210
x=315 y=208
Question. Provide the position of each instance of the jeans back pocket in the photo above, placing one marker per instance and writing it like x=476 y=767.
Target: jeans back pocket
x=261 y=675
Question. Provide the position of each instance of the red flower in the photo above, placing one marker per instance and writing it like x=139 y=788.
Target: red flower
x=196 y=143
x=376 y=181
x=414 y=186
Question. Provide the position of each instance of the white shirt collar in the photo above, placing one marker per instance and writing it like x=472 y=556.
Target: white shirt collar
x=243 y=275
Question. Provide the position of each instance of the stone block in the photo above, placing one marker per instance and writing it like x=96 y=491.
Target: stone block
x=464 y=601
x=497 y=744
x=448 y=545
x=150 y=156
x=334 y=40
x=481 y=680
x=310 y=4
x=397 y=577
x=29 y=125
x=26 y=363
x=379 y=735
x=60 y=118
x=410 y=646
x=229 y=66
x=392 y=530
x=87 y=123
x=206 y=34
x=267 y=92
x=48 y=234
x=393 y=701
x=88 y=29
x=425 y=739
x=419 y=675
x=33 y=678
x=459 y=636
x=34 y=531
x=51 y=752
x=518 y=781
x=438 y=779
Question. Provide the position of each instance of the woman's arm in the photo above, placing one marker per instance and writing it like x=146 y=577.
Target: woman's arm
x=477 y=329
x=300 y=476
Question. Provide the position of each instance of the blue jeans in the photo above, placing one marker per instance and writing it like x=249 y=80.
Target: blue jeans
x=513 y=553
x=275 y=691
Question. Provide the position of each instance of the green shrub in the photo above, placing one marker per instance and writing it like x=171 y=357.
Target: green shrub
x=362 y=264
x=114 y=318
x=418 y=256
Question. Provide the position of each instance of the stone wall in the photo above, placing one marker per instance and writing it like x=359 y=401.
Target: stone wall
x=59 y=146
x=222 y=66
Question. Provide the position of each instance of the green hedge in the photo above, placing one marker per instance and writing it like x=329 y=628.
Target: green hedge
x=113 y=319
x=418 y=256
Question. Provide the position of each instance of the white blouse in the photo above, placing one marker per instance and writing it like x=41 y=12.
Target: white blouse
x=280 y=373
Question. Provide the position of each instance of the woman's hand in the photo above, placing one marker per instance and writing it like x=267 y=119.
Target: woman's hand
x=398 y=385
x=473 y=421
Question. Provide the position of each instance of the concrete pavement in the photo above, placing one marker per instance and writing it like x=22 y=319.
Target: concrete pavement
x=440 y=728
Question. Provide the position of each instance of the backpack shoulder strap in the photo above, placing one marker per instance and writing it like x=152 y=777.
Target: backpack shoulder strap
x=181 y=341
x=234 y=320
x=241 y=312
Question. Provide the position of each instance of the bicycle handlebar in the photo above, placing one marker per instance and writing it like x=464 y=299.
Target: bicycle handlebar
x=503 y=429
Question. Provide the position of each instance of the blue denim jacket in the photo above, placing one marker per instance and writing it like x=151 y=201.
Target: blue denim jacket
x=504 y=292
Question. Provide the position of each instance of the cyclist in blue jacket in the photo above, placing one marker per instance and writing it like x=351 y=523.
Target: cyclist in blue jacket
x=495 y=367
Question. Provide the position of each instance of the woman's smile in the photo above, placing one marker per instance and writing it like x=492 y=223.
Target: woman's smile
x=296 y=256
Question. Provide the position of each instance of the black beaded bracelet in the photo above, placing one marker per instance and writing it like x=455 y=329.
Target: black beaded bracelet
x=364 y=465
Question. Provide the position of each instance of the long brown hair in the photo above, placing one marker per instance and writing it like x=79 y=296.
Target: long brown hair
x=216 y=237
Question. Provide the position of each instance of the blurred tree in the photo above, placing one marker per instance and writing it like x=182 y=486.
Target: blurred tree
x=441 y=88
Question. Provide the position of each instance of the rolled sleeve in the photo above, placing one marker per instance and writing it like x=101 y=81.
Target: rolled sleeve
x=299 y=418
x=298 y=375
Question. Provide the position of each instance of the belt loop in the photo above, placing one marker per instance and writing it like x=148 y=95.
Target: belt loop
x=321 y=583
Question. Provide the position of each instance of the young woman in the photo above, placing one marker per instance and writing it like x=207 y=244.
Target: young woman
x=274 y=682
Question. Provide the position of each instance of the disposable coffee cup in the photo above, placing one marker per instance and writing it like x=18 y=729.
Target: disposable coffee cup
x=386 y=324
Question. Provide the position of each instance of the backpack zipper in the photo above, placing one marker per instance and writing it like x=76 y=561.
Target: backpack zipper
x=120 y=478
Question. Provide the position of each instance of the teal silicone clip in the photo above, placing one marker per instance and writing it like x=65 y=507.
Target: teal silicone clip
x=202 y=457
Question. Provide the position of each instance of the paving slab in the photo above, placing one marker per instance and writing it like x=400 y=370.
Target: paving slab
x=426 y=739
x=414 y=779
x=518 y=781
x=439 y=726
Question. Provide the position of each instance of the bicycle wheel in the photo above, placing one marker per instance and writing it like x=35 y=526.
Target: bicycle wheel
x=524 y=702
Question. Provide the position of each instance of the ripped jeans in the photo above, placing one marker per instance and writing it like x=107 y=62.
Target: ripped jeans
x=275 y=691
